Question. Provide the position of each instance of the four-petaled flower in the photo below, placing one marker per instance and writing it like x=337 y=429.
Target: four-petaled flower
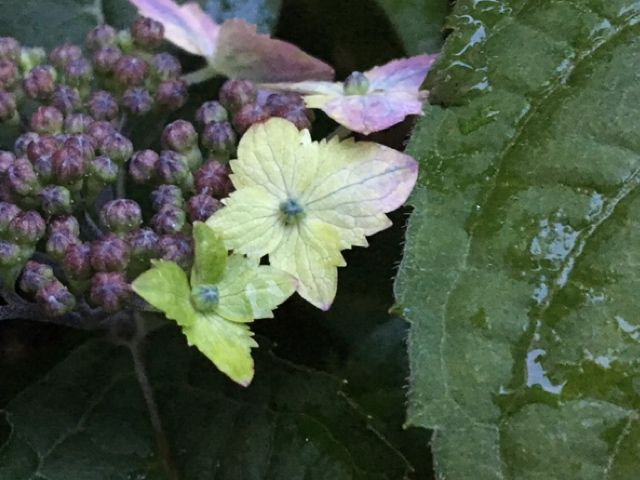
x=302 y=202
x=234 y=48
x=225 y=293
x=371 y=101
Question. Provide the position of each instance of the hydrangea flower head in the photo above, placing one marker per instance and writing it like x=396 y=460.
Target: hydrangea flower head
x=301 y=202
x=234 y=48
x=371 y=101
x=214 y=306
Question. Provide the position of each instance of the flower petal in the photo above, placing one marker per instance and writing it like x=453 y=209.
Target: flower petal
x=277 y=156
x=310 y=251
x=368 y=113
x=186 y=26
x=406 y=74
x=361 y=181
x=165 y=286
x=210 y=255
x=244 y=53
x=250 y=222
x=228 y=345
x=250 y=291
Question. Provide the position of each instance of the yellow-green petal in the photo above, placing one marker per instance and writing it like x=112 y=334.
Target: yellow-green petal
x=210 y=255
x=165 y=286
x=250 y=291
x=228 y=345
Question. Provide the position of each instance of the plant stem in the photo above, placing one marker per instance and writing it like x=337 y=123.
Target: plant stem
x=199 y=76
x=162 y=444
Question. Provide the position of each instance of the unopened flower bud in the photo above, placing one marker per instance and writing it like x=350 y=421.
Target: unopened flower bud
x=83 y=143
x=8 y=212
x=103 y=106
x=105 y=58
x=55 y=200
x=69 y=165
x=9 y=49
x=165 y=66
x=219 y=138
x=22 y=179
x=6 y=160
x=142 y=167
x=77 y=123
x=9 y=74
x=43 y=146
x=147 y=33
x=169 y=219
x=63 y=54
x=103 y=169
x=291 y=107
x=179 y=136
x=77 y=261
x=172 y=94
x=137 y=100
x=167 y=195
x=110 y=291
x=172 y=167
x=200 y=207
x=100 y=36
x=22 y=143
x=27 y=227
x=235 y=94
x=8 y=107
x=109 y=254
x=40 y=82
x=58 y=242
x=248 y=115
x=118 y=147
x=131 y=70
x=55 y=299
x=31 y=57
x=356 y=84
x=143 y=243
x=35 y=276
x=177 y=248
x=10 y=254
x=65 y=224
x=211 y=111
x=213 y=178
x=121 y=215
x=78 y=72
x=66 y=99
x=205 y=298
x=99 y=130
x=47 y=120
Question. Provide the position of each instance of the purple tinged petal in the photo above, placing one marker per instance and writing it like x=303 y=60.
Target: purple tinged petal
x=244 y=53
x=406 y=74
x=187 y=26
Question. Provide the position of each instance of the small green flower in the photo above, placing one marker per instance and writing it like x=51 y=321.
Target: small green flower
x=224 y=294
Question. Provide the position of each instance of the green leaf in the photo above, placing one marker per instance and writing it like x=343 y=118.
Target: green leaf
x=419 y=23
x=520 y=272
x=165 y=286
x=210 y=255
x=86 y=420
x=263 y=13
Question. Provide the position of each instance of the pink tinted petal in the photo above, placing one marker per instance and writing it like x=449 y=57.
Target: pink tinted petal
x=244 y=53
x=332 y=89
x=186 y=26
x=403 y=74
x=372 y=112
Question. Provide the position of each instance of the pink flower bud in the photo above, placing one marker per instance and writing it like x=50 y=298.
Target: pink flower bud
x=109 y=254
x=55 y=299
x=200 y=207
x=110 y=291
x=35 y=276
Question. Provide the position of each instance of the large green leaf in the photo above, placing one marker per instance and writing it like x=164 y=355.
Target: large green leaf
x=86 y=420
x=522 y=264
x=419 y=23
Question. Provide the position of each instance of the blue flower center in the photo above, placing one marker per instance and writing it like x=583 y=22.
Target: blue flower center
x=292 y=211
x=205 y=297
